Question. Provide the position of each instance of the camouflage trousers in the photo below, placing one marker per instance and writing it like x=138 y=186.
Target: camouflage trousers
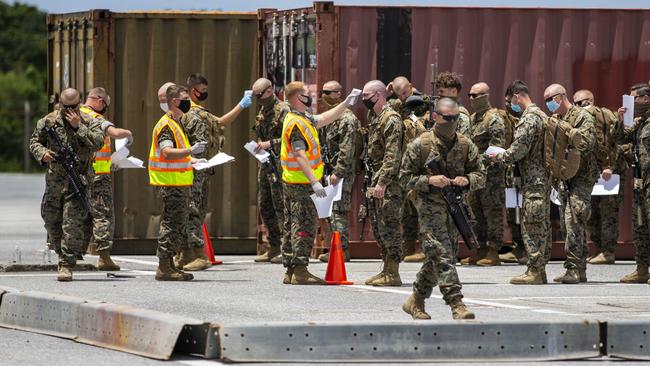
x=515 y=229
x=536 y=225
x=575 y=212
x=603 y=223
x=641 y=222
x=271 y=205
x=198 y=208
x=386 y=228
x=438 y=235
x=66 y=221
x=340 y=220
x=299 y=227
x=102 y=212
x=173 y=220
x=410 y=227
x=487 y=206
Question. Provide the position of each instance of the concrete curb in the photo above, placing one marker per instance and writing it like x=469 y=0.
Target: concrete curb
x=157 y=335
x=51 y=267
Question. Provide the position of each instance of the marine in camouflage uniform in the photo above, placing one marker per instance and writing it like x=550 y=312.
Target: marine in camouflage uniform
x=343 y=139
x=575 y=193
x=488 y=129
x=448 y=84
x=437 y=230
x=639 y=135
x=528 y=151
x=66 y=220
x=270 y=201
x=385 y=146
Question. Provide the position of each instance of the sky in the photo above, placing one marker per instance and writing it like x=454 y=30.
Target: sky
x=67 y=6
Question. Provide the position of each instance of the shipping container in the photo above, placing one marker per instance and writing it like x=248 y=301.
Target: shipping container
x=605 y=51
x=132 y=55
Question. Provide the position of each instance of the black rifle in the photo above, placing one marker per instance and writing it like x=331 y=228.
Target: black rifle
x=516 y=182
x=325 y=153
x=638 y=177
x=453 y=196
x=271 y=163
x=278 y=53
x=368 y=207
x=69 y=160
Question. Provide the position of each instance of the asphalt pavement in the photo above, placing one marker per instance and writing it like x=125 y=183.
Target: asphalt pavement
x=242 y=291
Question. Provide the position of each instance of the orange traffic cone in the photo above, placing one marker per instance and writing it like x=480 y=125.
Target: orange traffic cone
x=208 y=246
x=336 y=266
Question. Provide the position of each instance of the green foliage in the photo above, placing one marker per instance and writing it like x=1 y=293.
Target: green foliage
x=23 y=77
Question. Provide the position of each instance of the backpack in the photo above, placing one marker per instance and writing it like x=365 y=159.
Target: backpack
x=605 y=149
x=561 y=157
x=428 y=138
x=508 y=121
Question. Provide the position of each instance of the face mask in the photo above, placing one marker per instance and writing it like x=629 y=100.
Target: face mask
x=202 y=96
x=330 y=100
x=641 y=109
x=369 y=103
x=185 y=105
x=480 y=104
x=103 y=110
x=447 y=130
x=552 y=105
x=306 y=103
x=164 y=107
x=268 y=101
x=515 y=108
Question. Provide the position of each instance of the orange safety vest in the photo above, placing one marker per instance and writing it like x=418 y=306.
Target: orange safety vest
x=166 y=172
x=102 y=160
x=291 y=172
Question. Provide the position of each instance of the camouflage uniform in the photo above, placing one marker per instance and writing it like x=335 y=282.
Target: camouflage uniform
x=487 y=203
x=268 y=127
x=576 y=192
x=639 y=136
x=527 y=150
x=66 y=221
x=174 y=231
x=413 y=127
x=201 y=125
x=603 y=223
x=385 y=136
x=437 y=230
x=342 y=143
x=515 y=228
x=464 y=125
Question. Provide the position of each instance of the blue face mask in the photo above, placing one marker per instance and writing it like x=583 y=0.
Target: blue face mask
x=515 y=108
x=552 y=105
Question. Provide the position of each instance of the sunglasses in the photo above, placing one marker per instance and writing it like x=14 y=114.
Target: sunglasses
x=328 y=92
x=581 y=103
x=451 y=118
x=262 y=92
x=547 y=100
x=474 y=95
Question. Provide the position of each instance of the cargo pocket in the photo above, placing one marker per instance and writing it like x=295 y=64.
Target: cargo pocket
x=534 y=210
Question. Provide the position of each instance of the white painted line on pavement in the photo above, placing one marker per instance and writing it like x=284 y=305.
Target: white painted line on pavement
x=564 y=297
x=152 y=263
x=199 y=362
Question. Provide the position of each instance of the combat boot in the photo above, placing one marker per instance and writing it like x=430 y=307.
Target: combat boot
x=200 y=263
x=414 y=306
x=491 y=258
x=267 y=256
x=379 y=275
x=391 y=275
x=301 y=276
x=65 y=273
x=184 y=257
x=459 y=310
x=517 y=255
x=532 y=276
x=640 y=275
x=409 y=247
x=105 y=263
x=415 y=258
x=602 y=258
x=471 y=261
x=571 y=276
x=582 y=274
x=287 y=276
x=167 y=272
x=277 y=259
x=186 y=276
x=326 y=257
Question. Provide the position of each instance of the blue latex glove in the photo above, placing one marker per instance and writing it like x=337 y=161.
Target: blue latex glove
x=246 y=101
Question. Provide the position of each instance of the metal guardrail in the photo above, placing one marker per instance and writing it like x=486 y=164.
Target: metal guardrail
x=629 y=339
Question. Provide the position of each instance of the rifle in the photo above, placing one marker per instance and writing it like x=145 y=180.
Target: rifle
x=516 y=182
x=68 y=160
x=453 y=196
x=325 y=153
x=304 y=34
x=638 y=177
x=277 y=52
x=368 y=207
x=271 y=163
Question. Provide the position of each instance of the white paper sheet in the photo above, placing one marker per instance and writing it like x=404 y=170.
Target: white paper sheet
x=121 y=151
x=220 y=158
x=514 y=198
x=262 y=156
x=607 y=188
x=338 y=189
x=628 y=117
x=555 y=197
x=120 y=158
x=130 y=163
x=355 y=93
x=494 y=150
x=324 y=204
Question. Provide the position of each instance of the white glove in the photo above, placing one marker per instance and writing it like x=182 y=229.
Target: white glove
x=199 y=147
x=129 y=140
x=319 y=190
x=351 y=99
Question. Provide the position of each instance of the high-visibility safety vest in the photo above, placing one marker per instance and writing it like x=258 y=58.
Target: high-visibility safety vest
x=166 y=172
x=291 y=172
x=102 y=160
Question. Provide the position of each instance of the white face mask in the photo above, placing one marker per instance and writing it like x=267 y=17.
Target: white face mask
x=164 y=107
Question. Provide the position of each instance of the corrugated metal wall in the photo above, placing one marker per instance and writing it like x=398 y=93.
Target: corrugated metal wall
x=143 y=51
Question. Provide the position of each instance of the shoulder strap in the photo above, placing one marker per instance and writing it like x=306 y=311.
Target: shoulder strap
x=426 y=142
x=464 y=143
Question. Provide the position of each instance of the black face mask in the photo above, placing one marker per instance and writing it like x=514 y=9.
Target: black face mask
x=308 y=102
x=202 y=96
x=369 y=103
x=185 y=105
